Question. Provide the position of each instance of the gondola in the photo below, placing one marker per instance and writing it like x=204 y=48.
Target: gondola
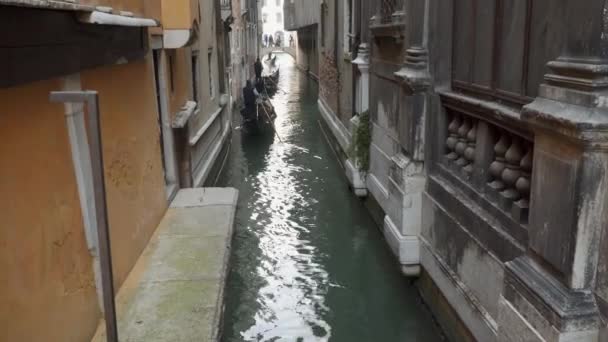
x=271 y=82
x=262 y=120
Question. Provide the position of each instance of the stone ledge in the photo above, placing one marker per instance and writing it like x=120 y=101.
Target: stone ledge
x=175 y=290
x=564 y=308
x=204 y=166
x=405 y=247
x=200 y=197
x=340 y=132
x=356 y=179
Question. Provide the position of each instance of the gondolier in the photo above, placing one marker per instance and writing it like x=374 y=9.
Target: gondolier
x=271 y=82
x=258 y=68
x=258 y=113
x=250 y=96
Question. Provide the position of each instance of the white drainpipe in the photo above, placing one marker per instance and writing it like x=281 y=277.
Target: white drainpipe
x=81 y=157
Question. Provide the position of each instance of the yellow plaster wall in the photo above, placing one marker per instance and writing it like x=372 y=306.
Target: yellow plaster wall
x=181 y=79
x=47 y=287
x=179 y=14
x=132 y=157
x=153 y=9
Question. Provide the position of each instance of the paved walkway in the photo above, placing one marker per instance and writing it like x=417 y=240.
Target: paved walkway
x=175 y=291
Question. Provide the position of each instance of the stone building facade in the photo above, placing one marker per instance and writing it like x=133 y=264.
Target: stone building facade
x=487 y=158
x=246 y=32
x=304 y=18
x=158 y=69
x=272 y=21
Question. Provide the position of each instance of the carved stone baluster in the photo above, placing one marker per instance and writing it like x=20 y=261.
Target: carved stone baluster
x=452 y=138
x=511 y=174
x=522 y=207
x=461 y=145
x=376 y=19
x=387 y=7
x=498 y=166
x=399 y=14
x=469 y=152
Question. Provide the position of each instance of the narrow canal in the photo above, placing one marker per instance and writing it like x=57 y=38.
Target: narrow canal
x=308 y=262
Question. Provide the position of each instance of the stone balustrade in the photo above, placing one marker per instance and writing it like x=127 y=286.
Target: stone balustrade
x=510 y=175
x=389 y=12
x=505 y=172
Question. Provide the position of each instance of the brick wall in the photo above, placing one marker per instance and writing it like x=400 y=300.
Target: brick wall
x=329 y=82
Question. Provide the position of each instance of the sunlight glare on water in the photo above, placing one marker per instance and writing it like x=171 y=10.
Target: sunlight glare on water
x=308 y=263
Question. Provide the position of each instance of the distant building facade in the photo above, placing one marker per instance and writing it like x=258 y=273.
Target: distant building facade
x=303 y=17
x=272 y=19
x=159 y=70
x=246 y=39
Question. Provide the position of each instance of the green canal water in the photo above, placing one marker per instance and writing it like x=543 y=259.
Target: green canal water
x=308 y=263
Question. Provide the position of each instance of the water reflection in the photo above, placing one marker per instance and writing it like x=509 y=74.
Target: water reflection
x=308 y=263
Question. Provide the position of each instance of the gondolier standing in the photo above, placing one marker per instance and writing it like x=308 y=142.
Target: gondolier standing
x=258 y=68
x=259 y=82
x=250 y=96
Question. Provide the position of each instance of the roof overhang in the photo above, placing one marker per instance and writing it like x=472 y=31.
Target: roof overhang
x=102 y=18
x=87 y=14
x=67 y=44
x=49 y=4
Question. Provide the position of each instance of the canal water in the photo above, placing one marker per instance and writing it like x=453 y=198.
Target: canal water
x=308 y=263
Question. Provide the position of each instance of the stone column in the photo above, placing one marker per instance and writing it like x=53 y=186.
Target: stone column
x=414 y=72
x=549 y=292
x=362 y=63
x=403 y=221
x=353 y=172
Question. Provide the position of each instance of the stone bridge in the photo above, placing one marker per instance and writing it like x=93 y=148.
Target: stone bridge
x=289 y=50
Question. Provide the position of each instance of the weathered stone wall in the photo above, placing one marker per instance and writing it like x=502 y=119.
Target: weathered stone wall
x=304 y=16
x=300 y=13
x=307 y=53
x=329 y=82
x=242 y=57
x=519 y=267
x=385 y=93
x=207 y=47
x=346 y=91
x=336 y=77
x=344 y=62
